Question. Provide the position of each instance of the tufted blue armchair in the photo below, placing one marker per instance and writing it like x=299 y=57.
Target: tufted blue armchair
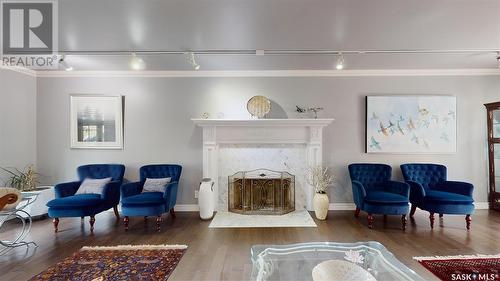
x=375 y=193
x=67 y=204
x=431 y=191
x=135 y=203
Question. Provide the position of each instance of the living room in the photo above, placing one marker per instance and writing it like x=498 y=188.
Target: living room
x=261 y=140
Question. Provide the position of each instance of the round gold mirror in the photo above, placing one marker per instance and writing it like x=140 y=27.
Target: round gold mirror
x=259 y=106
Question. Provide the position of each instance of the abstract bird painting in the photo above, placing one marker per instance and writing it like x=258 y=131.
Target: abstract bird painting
x=411 y=124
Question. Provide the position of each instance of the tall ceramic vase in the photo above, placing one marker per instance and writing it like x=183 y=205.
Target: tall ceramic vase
x=320 y=204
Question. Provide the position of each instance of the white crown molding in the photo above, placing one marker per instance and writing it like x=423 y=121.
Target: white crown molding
x=272 y=73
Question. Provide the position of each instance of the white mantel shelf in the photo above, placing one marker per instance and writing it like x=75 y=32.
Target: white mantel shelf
x=308 y=132
x=262 y=122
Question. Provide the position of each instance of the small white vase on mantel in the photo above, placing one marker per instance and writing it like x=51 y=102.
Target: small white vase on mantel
x=320 y=205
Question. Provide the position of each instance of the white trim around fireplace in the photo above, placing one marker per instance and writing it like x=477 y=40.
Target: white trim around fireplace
x=261 y=131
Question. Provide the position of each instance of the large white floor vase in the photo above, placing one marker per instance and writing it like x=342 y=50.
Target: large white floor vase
x=320 y=205
x=339 y=270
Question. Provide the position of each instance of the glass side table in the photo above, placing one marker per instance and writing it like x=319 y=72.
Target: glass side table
x=296 y=261
x=20 y=213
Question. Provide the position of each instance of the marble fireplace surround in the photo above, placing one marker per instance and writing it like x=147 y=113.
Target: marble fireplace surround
x=224 y=139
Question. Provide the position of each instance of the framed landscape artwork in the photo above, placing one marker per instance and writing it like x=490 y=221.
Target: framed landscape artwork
x=96 y=122
x=411 y=124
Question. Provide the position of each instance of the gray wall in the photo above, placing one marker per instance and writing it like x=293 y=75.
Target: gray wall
x=158 y=128
x=17 y=121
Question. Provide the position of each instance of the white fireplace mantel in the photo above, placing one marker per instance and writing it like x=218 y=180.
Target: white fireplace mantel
x=261 y=131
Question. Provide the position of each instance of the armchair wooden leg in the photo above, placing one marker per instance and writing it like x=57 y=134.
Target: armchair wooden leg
x=467 y=221
x=413 y=209
x=56 y=223
x=403 y=221
x=117 y=215
x=172 y=213
x=158 y=223
x=125 y=222
x=92 y=221
x=371 y=219
x=356 y=213
x=431 y=218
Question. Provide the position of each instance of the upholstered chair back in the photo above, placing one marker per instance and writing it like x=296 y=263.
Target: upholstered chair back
x=370 y=174
x=160 y=171
x=425 y=174
x=101 y=171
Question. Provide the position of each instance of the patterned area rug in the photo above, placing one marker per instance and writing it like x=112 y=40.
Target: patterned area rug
x=144 y=262
x=473 y=267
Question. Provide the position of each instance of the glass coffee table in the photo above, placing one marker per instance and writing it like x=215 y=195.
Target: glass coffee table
x=297 y=261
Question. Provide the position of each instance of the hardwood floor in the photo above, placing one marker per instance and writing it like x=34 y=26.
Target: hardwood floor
x=224 y=254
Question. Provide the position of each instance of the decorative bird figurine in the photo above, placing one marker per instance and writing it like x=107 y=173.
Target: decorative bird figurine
x=315 y=110
x=300 y=109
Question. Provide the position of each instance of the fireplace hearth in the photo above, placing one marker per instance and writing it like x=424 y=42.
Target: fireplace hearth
x=261 y=192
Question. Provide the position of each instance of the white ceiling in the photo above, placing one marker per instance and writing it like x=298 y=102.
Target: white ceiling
x=122 y=25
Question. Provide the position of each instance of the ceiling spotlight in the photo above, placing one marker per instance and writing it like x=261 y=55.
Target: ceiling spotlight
x=498 y=59
x=65 y=64
x=137 y=63
x=340 y=62
x=191 y=57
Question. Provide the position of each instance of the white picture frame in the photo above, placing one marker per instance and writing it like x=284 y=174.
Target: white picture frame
x=96 y=121
x=411 y=124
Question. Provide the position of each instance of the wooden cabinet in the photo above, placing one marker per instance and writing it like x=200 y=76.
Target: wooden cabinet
x=493 y=111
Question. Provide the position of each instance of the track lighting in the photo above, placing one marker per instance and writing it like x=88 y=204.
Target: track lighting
x=191 y=57
x=137 y=63
x=65 y=64
x=340 y=62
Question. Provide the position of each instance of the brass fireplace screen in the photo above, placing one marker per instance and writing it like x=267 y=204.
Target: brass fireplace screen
x=262 y=192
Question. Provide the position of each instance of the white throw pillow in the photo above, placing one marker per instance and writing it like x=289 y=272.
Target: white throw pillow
x=155 y=185
x=93 y=186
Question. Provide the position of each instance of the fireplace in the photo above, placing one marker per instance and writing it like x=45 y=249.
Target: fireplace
x=261 y=192
x=232 y=145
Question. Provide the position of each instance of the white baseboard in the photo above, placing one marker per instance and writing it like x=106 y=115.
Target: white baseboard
x=351 y=206
x=332 y=206
x=342 y=206
x=482 y=205
x=186 y=208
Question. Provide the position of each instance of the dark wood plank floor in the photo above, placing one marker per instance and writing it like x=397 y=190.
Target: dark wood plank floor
x=224 y=254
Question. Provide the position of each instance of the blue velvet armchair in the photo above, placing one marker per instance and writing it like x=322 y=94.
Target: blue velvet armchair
x=375 y=193
x=67 y=204
x=432 y=192
x=136 y=203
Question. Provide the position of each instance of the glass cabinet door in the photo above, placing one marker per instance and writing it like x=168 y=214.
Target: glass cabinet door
x=496 y=123
x=493 y=111
x=496 y=165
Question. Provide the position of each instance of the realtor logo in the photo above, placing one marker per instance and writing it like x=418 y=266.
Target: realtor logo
x=29 y=33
